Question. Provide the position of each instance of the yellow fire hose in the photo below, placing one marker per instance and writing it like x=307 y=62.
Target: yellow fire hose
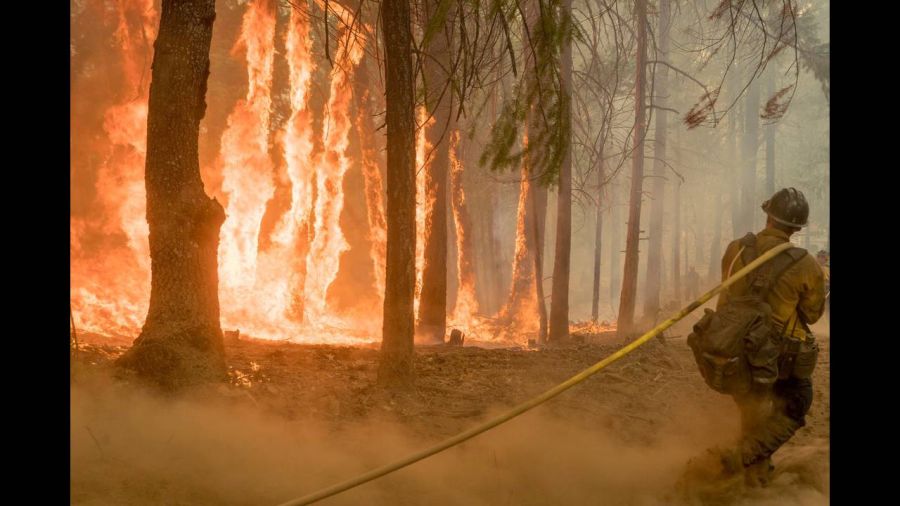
x=540 y=399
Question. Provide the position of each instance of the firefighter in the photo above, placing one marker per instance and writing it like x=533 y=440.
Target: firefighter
x=771 y=415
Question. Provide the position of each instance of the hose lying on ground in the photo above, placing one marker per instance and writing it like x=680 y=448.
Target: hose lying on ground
x=540 y=399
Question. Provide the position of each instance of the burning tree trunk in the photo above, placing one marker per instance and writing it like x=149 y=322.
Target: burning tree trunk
x=372 y=175
x=523 y=264
x=559 y=302
x=526 y=295
x=395 y=366
x=466 y=301
x=598 y=233
x=439 y=99
x=654 y=253
x=181 y=341
x=629 y=283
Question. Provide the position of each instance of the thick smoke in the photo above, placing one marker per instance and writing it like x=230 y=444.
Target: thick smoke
x=134 y=447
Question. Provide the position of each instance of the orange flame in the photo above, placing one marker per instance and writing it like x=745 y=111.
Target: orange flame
x=521 y=310
x=110 y=293
x=374 y=200
x=328 y=242
x=246 y=167
x=466 y=309
x=423 y=150
x=280 y=291
x=283 y=294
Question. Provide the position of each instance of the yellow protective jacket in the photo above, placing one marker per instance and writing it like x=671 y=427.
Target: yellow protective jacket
x=800 y=290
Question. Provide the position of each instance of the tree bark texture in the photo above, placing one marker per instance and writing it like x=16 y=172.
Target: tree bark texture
x=396 y=361
x=654 y=248
x=559 y=302
x=181 y=341
x=625 y=324
x=432 y=324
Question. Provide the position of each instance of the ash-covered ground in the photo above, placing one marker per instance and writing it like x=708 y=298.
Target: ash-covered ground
x=296 y=418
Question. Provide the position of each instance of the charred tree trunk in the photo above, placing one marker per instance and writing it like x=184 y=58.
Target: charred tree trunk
x=181 y=341
x=559 y=302
x=598 y=235
x=629 y=281
x=396 y=361
x=654 y=248
x=439 y=99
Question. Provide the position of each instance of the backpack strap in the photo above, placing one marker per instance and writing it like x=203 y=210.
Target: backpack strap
x=770 y=274
x=749 y=251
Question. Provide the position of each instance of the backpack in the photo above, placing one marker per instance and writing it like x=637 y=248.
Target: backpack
x=738 y=345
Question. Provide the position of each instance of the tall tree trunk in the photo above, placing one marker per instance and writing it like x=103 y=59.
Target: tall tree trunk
x=654 y=248
x=181 y=341
x=629 y=282
x=698 y=232
x=598 y=236
x=615 y=247
x=734 y=195
x=770 y=140
x=532 y=208
x=559 y=302
x=490 y=289
x=523 y=264
x=676 y=244
x=750 y=146
x=540 y=221
x=396 y=361
x=439 y=98
x=715 y=250
x=372 y=163
x=466 y=303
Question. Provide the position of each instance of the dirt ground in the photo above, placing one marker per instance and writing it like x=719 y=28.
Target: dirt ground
x=299 y=417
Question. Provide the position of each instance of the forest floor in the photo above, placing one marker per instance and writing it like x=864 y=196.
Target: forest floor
x=297 y=418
